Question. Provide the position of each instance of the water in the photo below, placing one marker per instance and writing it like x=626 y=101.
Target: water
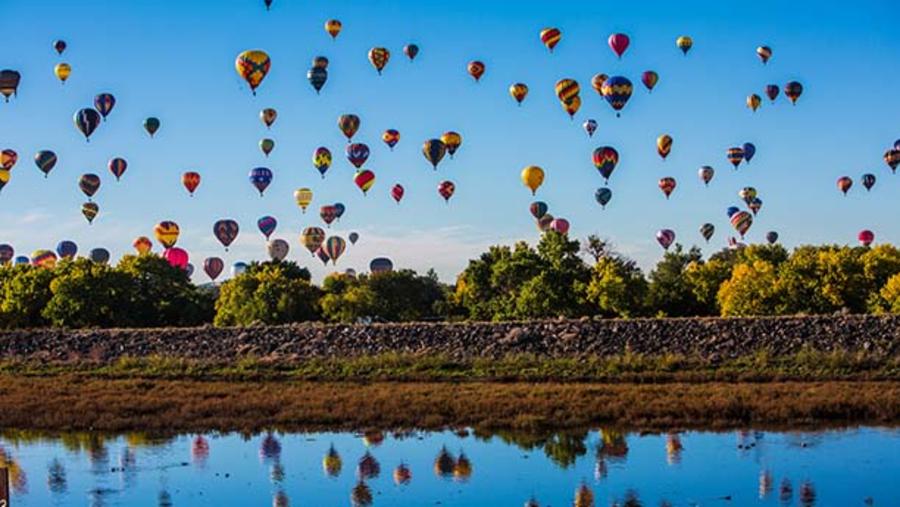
x=840 y=468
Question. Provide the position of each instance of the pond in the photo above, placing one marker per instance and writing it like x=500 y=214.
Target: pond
x=455 y=468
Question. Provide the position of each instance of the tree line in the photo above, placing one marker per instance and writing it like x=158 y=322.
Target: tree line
x=559 y=277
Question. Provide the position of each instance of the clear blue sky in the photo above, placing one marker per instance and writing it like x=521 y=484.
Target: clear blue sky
x=175 y=60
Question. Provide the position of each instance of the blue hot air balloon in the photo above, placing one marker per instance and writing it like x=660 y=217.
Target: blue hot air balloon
x=260 y=177
x=267 y=225
x=66 y=249
x=99 y=255
x=603 y=196
x=732 y=210
x=749 y=151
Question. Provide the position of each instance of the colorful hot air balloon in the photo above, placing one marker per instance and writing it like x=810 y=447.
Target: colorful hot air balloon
x=533 y=177
x=434 y=150
x=735 y=155
x=213 y=267
x=6 y=254
x=177 y=257
x=560 y=225
x=62 y=71
x=543 y=223
x=567 y=89
x=551 y=37
x=572 y=106
x=741 y=221
x=267 y=225
x=43 y=258
x=8 y=159
x=866 y=238
x=684 y=43
x=868 y=181
x=590 y=126
x=364 y=180
x=99 y=256
x=764 y=53
x=747 y=194
x=268 y=116
x=117 y=167
x=353 y=237
x=60 y=46
x=665 y=237
x=391 y=137
x=104 y=104
x=664 y=145
x=151 y=125
x=755 y=205
x=266 y=145
x=706 y=174
x=166 y=233
x=538 y=209
x=90 y=210
x=45 y=160
x=411 y=51
x=66 y=249
x=617 y=90
x=731 y=211
x=239 y=268
x=381 y=265
x=339 y=210
x=446 y=189
x=320 y=62
x=357 y=154
x=260 y=177
x=4 y=177
x=379 y=57
x=322 y=255
x=253 y=65
x=753 y=102
x=605 y=160
x=9 y=83
x=397 y=192
x=142 y=245
x=322 y=160
x=476 y=70
x=89 y=184
x=618 y=42
x=892 y=158
x=349 y=124
x=597 y=83
x=667 y=185
x=335 y=246
x=303 y=196
x=749 y=151
x=86 y=121
x=649 y=78
x=772 y=237
x=603 y=195
x=452 y=141
x=772 y=91
x=333 y=27
x=312 y=238
x=793 y=90
x=277 y=249
x=190 y=180
x=707 y=230
x=844 y=183
x=226 y=231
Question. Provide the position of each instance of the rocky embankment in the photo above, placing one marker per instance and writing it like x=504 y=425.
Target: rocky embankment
x=709 y=337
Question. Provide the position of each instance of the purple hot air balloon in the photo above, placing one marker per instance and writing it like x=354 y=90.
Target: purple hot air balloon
x=213 y=267
x=226 y=231
x=665 y=237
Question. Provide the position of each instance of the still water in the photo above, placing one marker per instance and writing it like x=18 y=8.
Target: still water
x=598 y=467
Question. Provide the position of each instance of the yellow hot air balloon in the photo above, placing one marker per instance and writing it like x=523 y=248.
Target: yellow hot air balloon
x=253 y=65
x=664 y=145
x=684 y=43
x=167 y=233
x=518 y=91
x=533 y=177
x=753 y=102
x=571 y=106
x=333 y=27
x=303 y=196
x=62 y=71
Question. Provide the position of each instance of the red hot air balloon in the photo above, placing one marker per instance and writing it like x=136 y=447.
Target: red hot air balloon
x=190 y=180
x=619 y=42
x=866 y=237
x=213 y=267
x=446 y=189
x=177 y=257
x=328 y=213
x=397 y=192
x=117 y=167
x=650 y=78
x=476 y=70
x=560 y=225
x=364 y=180
x=667 y=185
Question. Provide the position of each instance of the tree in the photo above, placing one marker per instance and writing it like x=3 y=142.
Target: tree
x=163 y=294
x=391 y=296
x=88 y=294
x=270 y=293
x=824 y=279
x=753 y=289
x=617 y=287
x=889 y=300
x=669 y=292
x=25 y=294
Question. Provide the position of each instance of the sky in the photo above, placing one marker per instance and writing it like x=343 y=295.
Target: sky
x=175 y=60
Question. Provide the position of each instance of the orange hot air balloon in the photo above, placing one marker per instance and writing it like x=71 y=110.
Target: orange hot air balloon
x=572 y=106
x=452 y=141
x=664 y=145
x=567 y=89
x=597 y=83
x=190 y=180
x=551 y=37
x=253 y=65
x=142 y=244
x=476 y=69
x=379 y=58
x=518 y=91
x=753 y=102
x=333 y=27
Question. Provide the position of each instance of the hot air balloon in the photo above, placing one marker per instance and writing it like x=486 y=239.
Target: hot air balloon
x=339 y=210
x=22 y=259
x=567 y=89
x=649 y=78
x=618 y=42
x=707 y=230
x=772 y=91
x=772 y=237
x=892 y=158
x=597 y=83
x=452 y=141
x=590 y=126
x=43 y=258
x=605 y=160
x=735 y=155
x=104 y=104
x=706 y=174
x=62 y=71
x=747 y=194
x=518 y=91
x=317 y=77
x=238 y=268
x=538 y=209
x=6 y=254
x=844 y=183
x=868 y=181
x=260 y=177
x=86 y=121
x=320 y=62
x=213 y=267
x=357 y=154
x=411 y=51
x=60 y=46
x=684 y=43
x=755 y=205
x=379 y=58
x=397 y=192
x=897 y=144
x=8 y=159
x=603 y=195
x=753 y=101
x=267 y=225
x=312 y=238
x=166 y=233
x=303 y=196
x=434 y=150
x=364 y=180
x=117 y=167
x=177 y=257
x=665 y=237
x=268 y=116
x=543 y=223
x=764 y=53
x=332 y=462
x=99 y=255
x=226 y=231
x=381 y=265
x=9 y=83
x=333 y=27
x=190 y=180
x=4 y=177
x=277 y=249
x=793 y=90
x=151 y=125
x=335 y=246
x=866 y=237
x=741 y=221
x=268 y=4
x=142 y=245
x=664 y=145
x=476 y=69
x=402 y=475
x=266 y=145
x=349 y=124
x=322 y=160
x=89 y=184
x=617 y=90
x=253 y=65
x=667 y=185
x=391 y=137
x=446 y=189
x=66 y=249
x=328 y=213
x=533 y=177
x=572 y=106
x=550 y=37
x=45 y=160
x=353 y=237
x=749 y=151
x=731 y=211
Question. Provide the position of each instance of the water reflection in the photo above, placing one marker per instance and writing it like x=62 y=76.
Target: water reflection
x=606 y=466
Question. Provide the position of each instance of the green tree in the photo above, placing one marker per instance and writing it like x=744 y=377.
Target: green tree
x=753 y=289
x=269 y=293
x=25 y=294
x=164 y=295
x=391 y=296
x=824 y=279
x=617 y=287
x=88 y=294
x=889 y=300
x=669 y=292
